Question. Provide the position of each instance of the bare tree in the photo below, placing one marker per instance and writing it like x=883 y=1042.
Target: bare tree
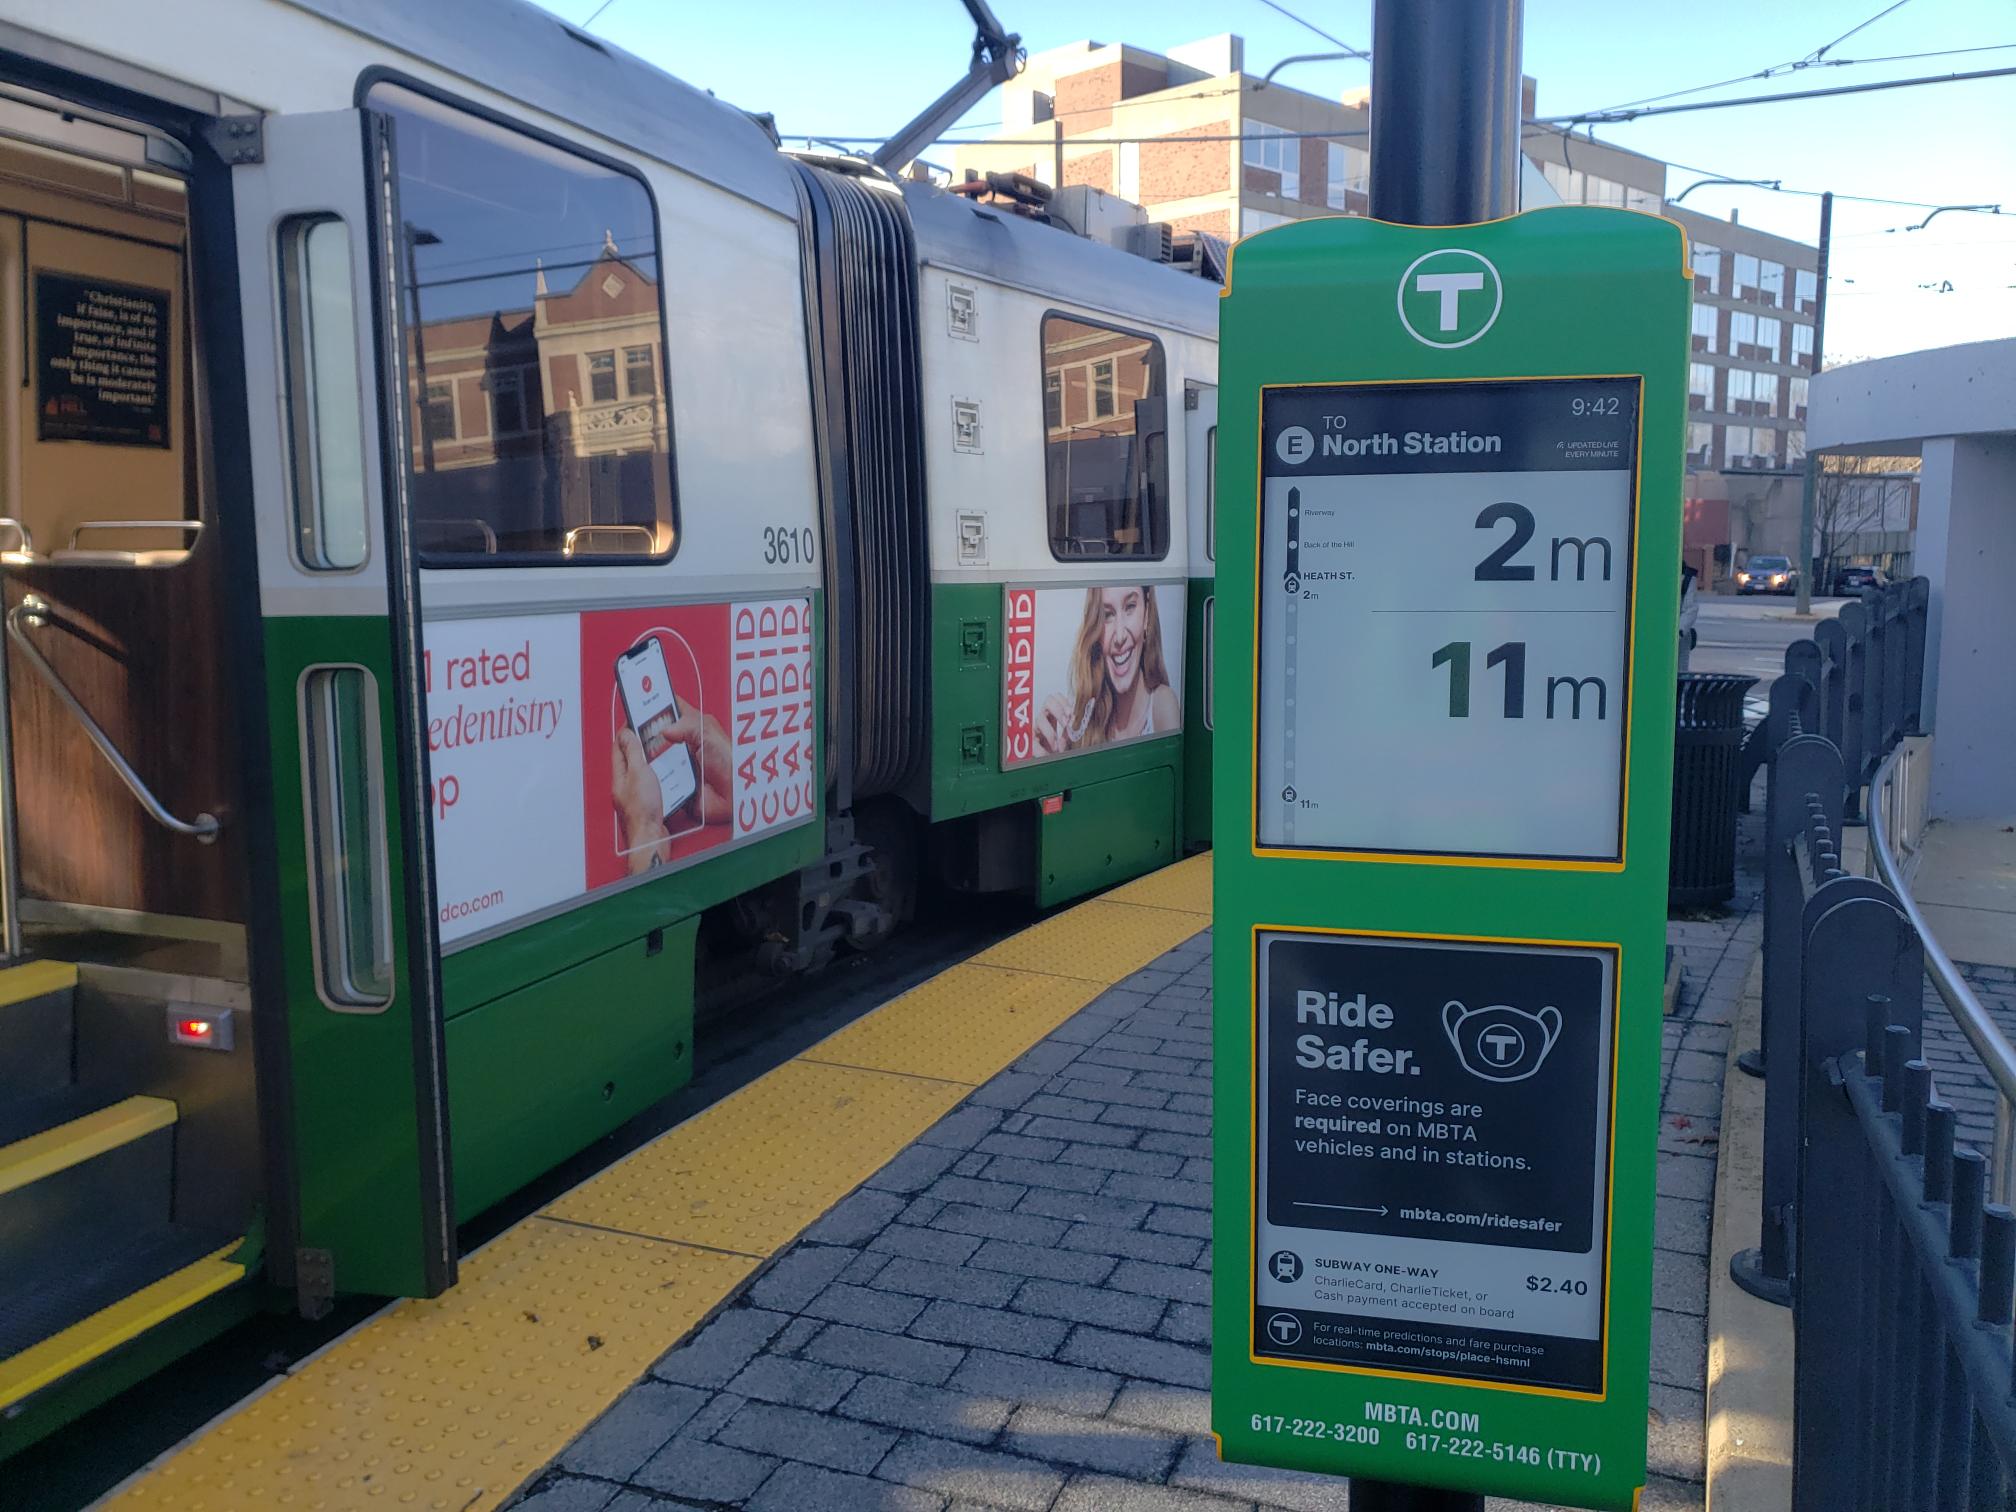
x=1849 y=497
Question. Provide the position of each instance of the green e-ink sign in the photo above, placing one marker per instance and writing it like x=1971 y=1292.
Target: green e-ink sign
x=1449 y=482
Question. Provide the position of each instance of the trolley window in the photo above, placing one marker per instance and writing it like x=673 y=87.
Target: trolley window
x=1106 y=454
x=524 y=269
x=324 y=427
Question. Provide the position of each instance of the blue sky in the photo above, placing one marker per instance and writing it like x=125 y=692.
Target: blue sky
x=863 y=69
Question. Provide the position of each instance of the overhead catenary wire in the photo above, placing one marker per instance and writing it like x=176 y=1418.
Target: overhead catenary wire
x=1638 y=112
x=1308 y=25
x=1778 y=70
x=1584 y=118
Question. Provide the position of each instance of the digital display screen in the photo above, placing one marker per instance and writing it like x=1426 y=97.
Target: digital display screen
x=1444 y=617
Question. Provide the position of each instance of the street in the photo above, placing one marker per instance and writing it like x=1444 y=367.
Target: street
x=1749 y=635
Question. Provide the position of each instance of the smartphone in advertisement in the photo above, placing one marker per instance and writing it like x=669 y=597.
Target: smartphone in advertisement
x=653 y=709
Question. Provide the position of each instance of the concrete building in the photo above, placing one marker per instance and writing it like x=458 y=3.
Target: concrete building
x=1955 y=409
x=1205 y=146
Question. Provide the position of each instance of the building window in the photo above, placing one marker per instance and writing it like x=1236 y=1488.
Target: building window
x=1739 y=390
x=1796 y=401
x=1736 y=446
x=1767 y=336
x=1053 y=401
x=1642 y=199
x=1771 y=281
x=1602 y=191
x=437 y=412
x=1127 y=182
x=1742 y=332
x=1700 y=442
x=1767 y=385
x=640 y=372
x=516 y=254
x=1350 y=173
x=1701 y=385
x=1802 y=345
x=1746 y=274
x=1707 y=268
x=1251 y=221
x=1277 y=150
x=1704 y=328
x=1807 y=283
x=1106 y=476
x=507 y=402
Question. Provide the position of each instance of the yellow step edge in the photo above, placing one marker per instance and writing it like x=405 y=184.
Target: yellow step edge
x=81 y=1139
x=82 y=1342
x=451 y=1405
x=33 y=979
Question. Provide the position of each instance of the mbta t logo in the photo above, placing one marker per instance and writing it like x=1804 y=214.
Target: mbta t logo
x=1449 y=297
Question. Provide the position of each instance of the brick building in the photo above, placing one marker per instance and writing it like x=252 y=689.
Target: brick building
x=1205 y=146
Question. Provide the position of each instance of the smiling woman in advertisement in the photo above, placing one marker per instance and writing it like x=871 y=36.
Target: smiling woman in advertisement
x=1120 y=688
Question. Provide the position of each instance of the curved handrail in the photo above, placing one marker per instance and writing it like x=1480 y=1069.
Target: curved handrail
x=33 y=611
x=1998 y=1056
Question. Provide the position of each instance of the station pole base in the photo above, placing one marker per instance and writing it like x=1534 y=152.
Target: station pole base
x=1751 y=1063
x=1746 y=1269
x=1385 y=1496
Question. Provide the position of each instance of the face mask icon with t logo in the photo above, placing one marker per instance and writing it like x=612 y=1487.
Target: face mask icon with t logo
x=1501 y=1044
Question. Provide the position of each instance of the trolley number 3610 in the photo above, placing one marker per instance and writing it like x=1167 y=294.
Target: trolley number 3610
x=1338 y=1433
x=785 y=543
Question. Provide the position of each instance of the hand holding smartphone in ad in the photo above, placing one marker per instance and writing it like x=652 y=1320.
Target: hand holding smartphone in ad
x=671 y=765
x=654 y=715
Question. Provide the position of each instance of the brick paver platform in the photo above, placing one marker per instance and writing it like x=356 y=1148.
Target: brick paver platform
x=1015 y=1312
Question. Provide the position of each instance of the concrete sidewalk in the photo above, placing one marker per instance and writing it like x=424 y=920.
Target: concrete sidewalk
x=1014 y=1312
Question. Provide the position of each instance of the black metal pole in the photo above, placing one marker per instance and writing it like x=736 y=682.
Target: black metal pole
x=1445 y=111
x=1446 y=119
x=1803 y=601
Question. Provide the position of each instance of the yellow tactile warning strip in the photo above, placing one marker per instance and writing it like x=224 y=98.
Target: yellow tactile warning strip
x=33 y=979
x=450 y=1404
x=104 y=1331
x=81 y=1139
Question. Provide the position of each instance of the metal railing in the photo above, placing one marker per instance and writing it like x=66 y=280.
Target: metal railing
x=1904 y=1276
x=1997 y=1055
x=33 y=611
x=1895 y=1250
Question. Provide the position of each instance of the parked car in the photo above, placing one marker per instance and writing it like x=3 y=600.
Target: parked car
x=1767 y=574
x=1690 y=613
x=1850 y=581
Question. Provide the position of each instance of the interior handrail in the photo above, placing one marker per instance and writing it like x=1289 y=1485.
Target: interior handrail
x=24 y=543
x=582 y=535
x=34 y=611
x=193 y=527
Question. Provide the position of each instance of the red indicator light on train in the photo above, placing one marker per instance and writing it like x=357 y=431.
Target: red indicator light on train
x=1054 y=804
x=194 y=1031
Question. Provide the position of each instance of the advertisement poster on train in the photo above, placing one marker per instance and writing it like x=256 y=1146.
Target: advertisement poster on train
x=572 y=751
x=1090 y=667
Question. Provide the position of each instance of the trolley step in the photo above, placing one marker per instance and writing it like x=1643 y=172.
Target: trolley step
x=37 y=1026
x=107 y=1132
x=116 y=1299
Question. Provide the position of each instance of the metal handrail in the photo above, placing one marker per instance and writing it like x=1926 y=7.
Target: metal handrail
x=33 y=611
x=1997 y=1055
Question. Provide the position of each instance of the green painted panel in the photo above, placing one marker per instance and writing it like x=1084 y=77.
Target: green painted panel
x=353 y=1095
x=1103 y=834
x=966 y=772
x=480 y=973
x=1196 y=732
x=543 y=1072
x=1579 y=292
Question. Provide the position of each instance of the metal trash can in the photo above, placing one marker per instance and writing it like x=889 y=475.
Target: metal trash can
x=1707 y=758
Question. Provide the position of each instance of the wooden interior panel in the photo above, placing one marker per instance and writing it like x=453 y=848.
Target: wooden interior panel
x=144 y=650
